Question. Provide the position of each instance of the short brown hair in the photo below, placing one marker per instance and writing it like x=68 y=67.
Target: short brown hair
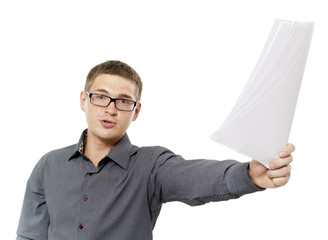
x=115 y=68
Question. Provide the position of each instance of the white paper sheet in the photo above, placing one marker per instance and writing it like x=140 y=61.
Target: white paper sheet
x=259 y=124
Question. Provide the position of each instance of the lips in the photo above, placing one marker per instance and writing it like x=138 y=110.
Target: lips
x=108 y=123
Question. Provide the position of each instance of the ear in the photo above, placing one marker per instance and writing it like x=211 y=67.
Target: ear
x=137 y=111
x=83 y=99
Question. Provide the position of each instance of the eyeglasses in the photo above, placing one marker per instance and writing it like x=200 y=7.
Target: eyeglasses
x=104 y=101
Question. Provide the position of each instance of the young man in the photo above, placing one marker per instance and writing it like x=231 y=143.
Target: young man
x=106 y=188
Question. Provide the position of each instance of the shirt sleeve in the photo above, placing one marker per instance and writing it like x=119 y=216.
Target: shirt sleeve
x=197 y=182
x=34 y=219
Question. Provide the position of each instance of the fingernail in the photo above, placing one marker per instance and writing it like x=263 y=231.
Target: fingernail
x=271 y=165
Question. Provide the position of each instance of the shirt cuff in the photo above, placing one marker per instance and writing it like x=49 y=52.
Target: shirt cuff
x=238 y=181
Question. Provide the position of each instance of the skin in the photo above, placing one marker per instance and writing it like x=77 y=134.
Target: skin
x=101 y=139
x=278 y=173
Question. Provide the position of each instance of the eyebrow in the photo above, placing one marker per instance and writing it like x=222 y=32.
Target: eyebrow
x=104 y=91
x=101 y=90
x=125 y=96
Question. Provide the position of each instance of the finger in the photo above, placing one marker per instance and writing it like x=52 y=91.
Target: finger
x=280 y=162
x=281 y=172
x=278 y=182
x=286 y=151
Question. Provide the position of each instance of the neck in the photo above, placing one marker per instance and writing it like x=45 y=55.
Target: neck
x=96 y=148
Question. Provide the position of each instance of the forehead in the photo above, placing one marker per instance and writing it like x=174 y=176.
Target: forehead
x=114 y=85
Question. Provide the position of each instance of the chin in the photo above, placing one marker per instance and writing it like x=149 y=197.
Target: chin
x=110 y=136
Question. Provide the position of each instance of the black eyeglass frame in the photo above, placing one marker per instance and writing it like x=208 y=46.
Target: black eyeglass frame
x=111 y=100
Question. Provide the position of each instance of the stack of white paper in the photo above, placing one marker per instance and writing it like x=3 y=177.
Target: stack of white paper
x=260 y=122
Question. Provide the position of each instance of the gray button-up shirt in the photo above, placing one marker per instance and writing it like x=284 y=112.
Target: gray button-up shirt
x=67 y=197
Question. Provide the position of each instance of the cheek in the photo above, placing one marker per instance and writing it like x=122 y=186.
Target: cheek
x=127 y=119
x=91 y=113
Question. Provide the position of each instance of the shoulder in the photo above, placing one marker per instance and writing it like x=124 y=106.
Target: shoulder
x=155 y=156
x=60 y=153
x=52 y=160
x=153 y=152
x=57 y=156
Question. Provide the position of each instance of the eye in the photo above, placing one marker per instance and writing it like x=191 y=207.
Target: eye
x=100 y=97
x=124 y=101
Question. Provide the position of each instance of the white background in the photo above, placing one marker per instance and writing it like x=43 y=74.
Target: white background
x=194 y=58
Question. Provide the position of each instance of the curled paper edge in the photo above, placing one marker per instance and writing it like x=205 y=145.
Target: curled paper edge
x=250 y=128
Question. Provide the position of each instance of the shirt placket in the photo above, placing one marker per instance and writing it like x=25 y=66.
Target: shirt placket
x=84 y=218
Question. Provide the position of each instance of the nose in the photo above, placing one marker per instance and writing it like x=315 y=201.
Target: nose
x=111 y=109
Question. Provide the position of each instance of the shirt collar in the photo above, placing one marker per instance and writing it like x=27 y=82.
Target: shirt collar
x=79 y=149
x=120 y=153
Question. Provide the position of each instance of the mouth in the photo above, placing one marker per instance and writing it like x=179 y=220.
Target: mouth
x=108 y=123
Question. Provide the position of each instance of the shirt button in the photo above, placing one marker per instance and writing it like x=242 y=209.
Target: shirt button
x=85 y=197
x=81 y=226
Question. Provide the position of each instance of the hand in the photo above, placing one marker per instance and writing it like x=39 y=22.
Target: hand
x=278 y=173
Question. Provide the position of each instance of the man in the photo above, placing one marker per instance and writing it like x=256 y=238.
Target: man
x=106 y=188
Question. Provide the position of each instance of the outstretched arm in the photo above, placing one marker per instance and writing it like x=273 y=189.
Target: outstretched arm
x=278 y=173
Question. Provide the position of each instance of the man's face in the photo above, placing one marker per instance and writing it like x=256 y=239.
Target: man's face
x=107 y=123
